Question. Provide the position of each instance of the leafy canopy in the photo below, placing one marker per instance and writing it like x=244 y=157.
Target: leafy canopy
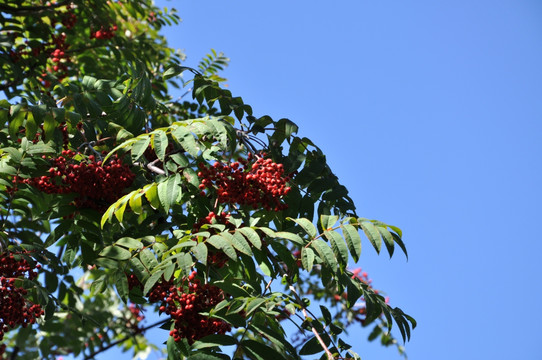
x=119 y=200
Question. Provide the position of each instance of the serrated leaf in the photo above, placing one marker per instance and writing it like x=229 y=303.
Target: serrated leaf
x=353 y=240
x=372 y=234
x=338 y=246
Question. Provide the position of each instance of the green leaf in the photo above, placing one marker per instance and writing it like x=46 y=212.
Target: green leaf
x=49 y=125
x=201 y=253
x=168 y=191
x=122 y=286
x=148 y=259
x=116 y=253
x=328 y=221
x=254 y=305
x=222 y=244
x=186 y=139
x=153 y=279
x=338 y=246
x=139 y=147
x=136 y=202
x=259 y=351
x=159 y=143
x=372 y=234
x=306 y=225
x=120 y=206
x=326 y=314
x=240 y=243
x=313 y=345
x=399 y=242
x=296 y=239
x=353 y=240
x=214 y=340
x=129 y=243
x=388 y=239
x=325 y=254
x=251 y=236
x=151 y=194
x=307 y=258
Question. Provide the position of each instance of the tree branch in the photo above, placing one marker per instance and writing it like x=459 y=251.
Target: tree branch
x=115 y=343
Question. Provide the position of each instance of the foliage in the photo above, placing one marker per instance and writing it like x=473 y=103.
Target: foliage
x=127 y=201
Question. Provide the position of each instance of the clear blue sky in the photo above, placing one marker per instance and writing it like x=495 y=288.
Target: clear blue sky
x=430 y=112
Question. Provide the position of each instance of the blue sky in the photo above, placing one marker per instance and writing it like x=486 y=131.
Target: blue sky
x=429 y=111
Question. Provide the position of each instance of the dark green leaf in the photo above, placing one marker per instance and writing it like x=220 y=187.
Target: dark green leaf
x=116 y=253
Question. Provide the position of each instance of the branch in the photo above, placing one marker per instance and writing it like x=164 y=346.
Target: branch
x=314 y=331
x=93 y=354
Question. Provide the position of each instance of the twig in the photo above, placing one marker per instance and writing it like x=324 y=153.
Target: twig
x=91 y=355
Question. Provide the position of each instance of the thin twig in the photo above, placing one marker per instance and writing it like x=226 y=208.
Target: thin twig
x=91 y=355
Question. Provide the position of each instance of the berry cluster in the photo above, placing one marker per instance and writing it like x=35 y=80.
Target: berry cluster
x=184 y=304
x=259 y=184
x=104 y=32
x=58 y=54
x=69 y=19
x=97 y=185
x=15 y=309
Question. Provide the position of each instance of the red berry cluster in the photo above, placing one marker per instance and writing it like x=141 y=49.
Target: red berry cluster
x=97 y=185
x=59 y=57
x=184 y=304
x=69 y=19
x=15 y=309
x=104 y=32
x=258 y=184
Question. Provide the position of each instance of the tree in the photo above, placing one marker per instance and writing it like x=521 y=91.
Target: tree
x=118 y=200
